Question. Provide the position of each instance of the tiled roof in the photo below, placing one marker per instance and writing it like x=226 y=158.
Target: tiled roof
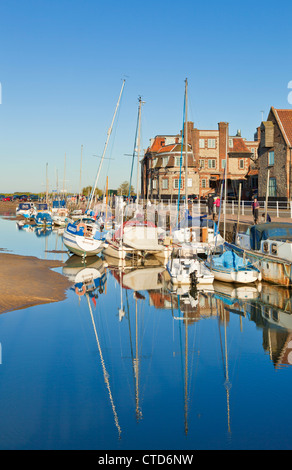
x=166 y=148
x=239 y=146
x=285 y=118
x=253 y=172
x=158 y=142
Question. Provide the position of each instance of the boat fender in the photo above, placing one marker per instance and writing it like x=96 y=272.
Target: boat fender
x=79 y=291
x=81 y=225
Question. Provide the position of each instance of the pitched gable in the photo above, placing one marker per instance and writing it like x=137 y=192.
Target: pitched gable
x=284 y=118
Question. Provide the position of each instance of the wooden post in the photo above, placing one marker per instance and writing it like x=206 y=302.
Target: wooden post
x=238 y=208
x=267 y=195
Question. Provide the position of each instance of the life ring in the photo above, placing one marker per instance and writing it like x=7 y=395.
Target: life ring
x=79 y=226
x=80 y=292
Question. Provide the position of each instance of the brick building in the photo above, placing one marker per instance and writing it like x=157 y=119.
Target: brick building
x=275 y=154
x=208 y=151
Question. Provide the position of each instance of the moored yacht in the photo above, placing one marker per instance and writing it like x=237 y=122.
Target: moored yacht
x=84 y=237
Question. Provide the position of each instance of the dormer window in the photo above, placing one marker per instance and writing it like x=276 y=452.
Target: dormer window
x=165 y=161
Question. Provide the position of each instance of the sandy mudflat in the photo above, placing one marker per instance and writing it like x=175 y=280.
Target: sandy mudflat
x=27 y=281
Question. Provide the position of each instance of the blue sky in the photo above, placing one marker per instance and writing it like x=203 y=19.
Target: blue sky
x=62 y=64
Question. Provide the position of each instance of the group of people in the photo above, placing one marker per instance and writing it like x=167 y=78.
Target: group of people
x=213 y=205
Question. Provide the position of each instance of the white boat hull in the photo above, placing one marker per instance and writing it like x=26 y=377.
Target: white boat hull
x=240 y=277
x=182 y=270
x=82 y=246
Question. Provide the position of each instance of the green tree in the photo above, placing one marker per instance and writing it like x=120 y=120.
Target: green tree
x=87 y=191
x=123 y=189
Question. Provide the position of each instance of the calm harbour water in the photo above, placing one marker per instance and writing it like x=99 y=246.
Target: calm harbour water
x=132 y=365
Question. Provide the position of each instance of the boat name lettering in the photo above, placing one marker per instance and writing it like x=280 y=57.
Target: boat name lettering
x=72 y=228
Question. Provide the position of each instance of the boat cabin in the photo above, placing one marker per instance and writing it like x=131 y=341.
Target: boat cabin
x=273 y=239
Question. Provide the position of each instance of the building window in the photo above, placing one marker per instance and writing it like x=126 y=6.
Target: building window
x=177 y=161
x=153 y=184
x=230 y=143
x=211 y=164
x=241 y=164
x=176 y=183
x=271 y=157
x=164 y=161
x=202 y=164
x=211 y=143
x=202 y=143
x=154 y=162
x=204 y=183
x=164 y=183
x=223 y=163
x=273 y=187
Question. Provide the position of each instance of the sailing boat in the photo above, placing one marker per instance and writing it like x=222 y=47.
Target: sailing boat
x=229 y=267
x=136 y=236
x=84 y=237
x=189 y=271
x=183 y=270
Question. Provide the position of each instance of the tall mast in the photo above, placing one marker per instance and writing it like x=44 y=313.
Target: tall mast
x=225 y=187
x=64 y=176
x=47 y=190
x=105 y=147
x=80 y=172
x=138 y=147
x=186 y=143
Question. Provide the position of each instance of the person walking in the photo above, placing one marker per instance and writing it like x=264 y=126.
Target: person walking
x=210 y=204
x=255 y=210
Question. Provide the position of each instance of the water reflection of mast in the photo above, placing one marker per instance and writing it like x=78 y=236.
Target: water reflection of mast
x=136 y=367
x=227 y=383
x=135 y=359
x=105 y=374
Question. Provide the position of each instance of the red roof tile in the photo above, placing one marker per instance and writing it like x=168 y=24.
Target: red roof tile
x=239 y=146
x=285 y=117
x=253 y=172
x=166 y=148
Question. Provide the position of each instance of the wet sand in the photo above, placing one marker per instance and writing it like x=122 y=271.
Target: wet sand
x=26 y=281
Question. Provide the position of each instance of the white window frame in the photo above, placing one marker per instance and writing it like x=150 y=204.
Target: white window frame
x=211 y=163
x=164 y=183
x=177 y=161
x=211 y=143
x=165 y=161
x=204 y=183
x=201 y=143
x=241 y=164
x=201 y=164
x=176 y=180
